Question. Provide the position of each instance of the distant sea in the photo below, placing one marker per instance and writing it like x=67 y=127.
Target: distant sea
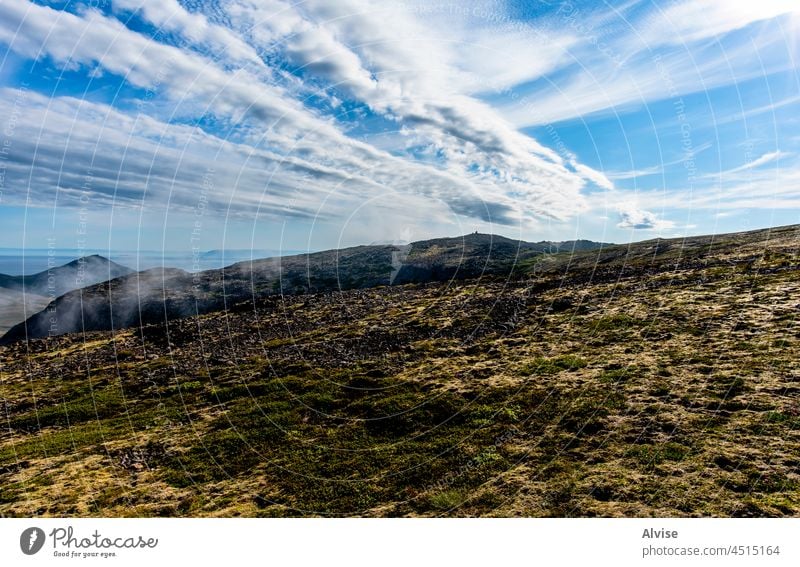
x=15 y=262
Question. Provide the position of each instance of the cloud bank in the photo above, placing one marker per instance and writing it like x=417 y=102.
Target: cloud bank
x=376 y=113
x=275 y=78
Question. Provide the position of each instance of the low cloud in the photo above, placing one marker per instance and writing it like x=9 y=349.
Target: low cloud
x=639 y=219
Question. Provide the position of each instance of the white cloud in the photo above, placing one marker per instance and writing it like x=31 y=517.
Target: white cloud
x=596 y=177
x=661 y=168
x=635 y=173
x=486 y=168
x=690 y=20
x=142 y=162
x=665 y=54
x=766 y=158
x=767 y=108
x=773 y=188
x=749 y=173
x=634 y=218
x=169 y=15
x=429 y=76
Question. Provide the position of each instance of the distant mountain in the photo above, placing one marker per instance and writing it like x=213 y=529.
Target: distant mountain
x=155 y=295
x=59 y=280
x=243 y=253
x=23 y=296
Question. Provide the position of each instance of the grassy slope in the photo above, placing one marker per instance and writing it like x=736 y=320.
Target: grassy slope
x=633 y=387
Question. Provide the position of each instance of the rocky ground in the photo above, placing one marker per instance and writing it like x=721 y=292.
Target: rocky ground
x=660 y=380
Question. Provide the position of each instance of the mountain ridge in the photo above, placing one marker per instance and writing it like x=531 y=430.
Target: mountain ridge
x=86 y=270
x=24 y=296
x=156 y=296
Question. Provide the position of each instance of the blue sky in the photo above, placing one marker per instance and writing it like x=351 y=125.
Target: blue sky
x=167 y=125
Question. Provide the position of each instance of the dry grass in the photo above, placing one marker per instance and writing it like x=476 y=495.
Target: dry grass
x=666 y=393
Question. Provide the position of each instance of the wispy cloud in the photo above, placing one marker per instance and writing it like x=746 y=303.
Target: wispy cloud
x=689 y=21
x=756 y=189
x=312 y=110
x=766 y=158
x=667 y=53
x=484 y=167
x=660 y=169
x=596 y=177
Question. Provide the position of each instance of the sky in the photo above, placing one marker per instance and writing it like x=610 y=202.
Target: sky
x=187 y=125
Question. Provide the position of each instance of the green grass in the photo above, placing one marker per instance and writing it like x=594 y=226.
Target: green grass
x=448 y=500
x=86 y=404
x=617 y=375
x=415 y=401
x=652 y=455
x=616 y=322
x=549 y=366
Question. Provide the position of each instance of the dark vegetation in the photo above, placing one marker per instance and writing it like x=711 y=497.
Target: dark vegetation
x=658 y=379
x=160 y=295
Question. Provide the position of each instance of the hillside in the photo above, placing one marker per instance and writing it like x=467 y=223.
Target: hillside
x=157 y=295
x=24 y=296
x=656 y=379
x=59 y=280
